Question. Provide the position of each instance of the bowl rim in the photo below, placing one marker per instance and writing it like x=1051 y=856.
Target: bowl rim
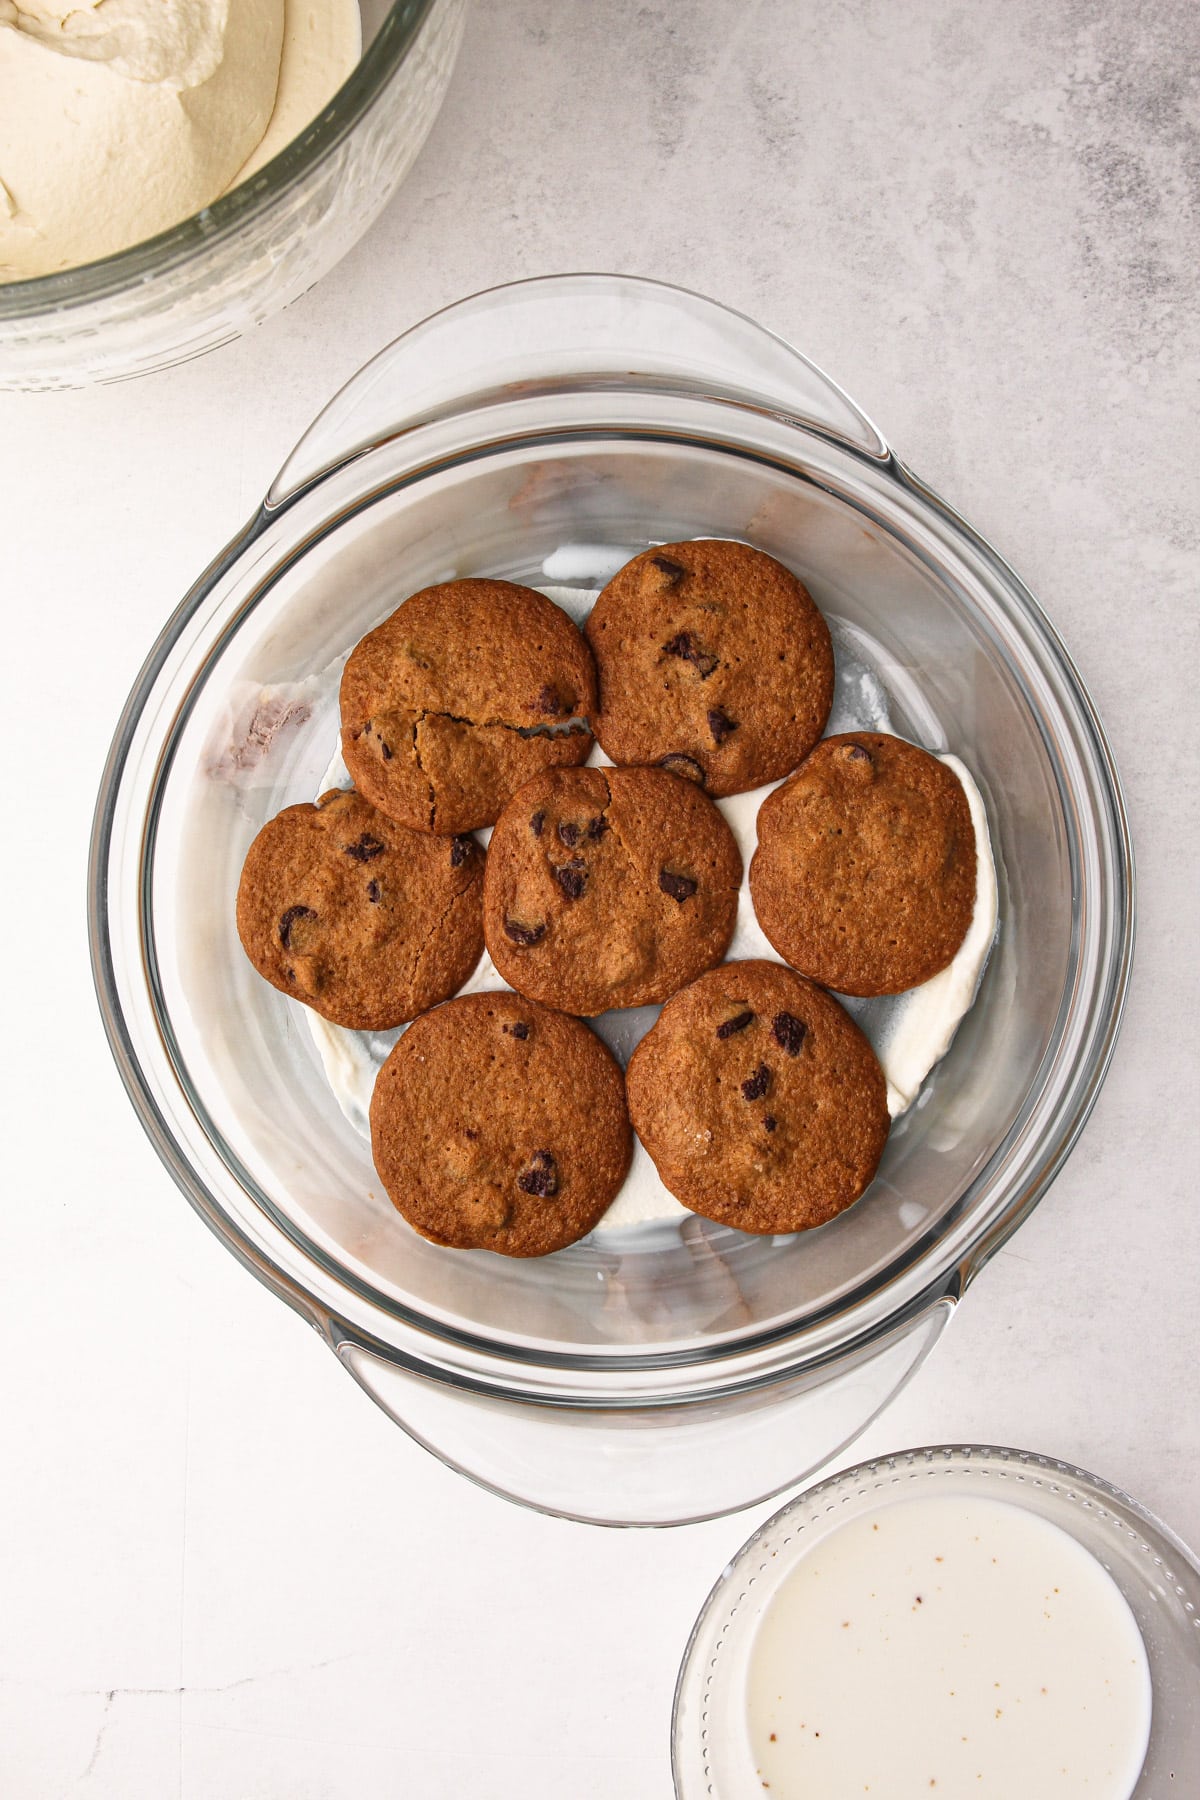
x=65 y=290
x=452 y=1356
x=1099 y=1495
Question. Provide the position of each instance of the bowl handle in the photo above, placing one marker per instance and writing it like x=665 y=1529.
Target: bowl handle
x=609 y=330
x=668 y=1465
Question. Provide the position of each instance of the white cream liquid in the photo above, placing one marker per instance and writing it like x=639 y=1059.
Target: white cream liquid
x=942 y=1648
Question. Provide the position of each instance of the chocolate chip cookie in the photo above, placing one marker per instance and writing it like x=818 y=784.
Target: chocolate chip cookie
x=363 y=920
x=759 y=1100
x=864 y=877
x=713 y=661
x=499 y=1125
x=466 y=691
x=609 y=887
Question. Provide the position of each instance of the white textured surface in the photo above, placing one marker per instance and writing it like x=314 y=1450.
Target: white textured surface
x=225 y=1575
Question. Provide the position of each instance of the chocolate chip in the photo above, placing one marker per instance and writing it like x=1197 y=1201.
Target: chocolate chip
x=373 y=892
x=755 y=1088
x=524 y=934
x=687 y=766
x=537 y=823
x=568 y=834
x=789 y=1032
x=770 y=1122
x=738 y=1022
x=460 y=848
x=365 y=848
x=541 y=1177
x=685 y=646
x=289 y=919
x=720 y=724
x=674 y=570
x=572 y=878
x=680 y=887
x=518 y=1029
x=596 y=828
x=468 y=1133
x=385 y=750
x=858 y=762
x=549 y=703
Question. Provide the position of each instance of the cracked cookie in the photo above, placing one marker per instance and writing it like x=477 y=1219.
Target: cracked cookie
x=609 y=887
x=712 y=660
x=499 y=1125
x=759 y=1100
x=365 y=921
x=864 y=876
x=466 y=691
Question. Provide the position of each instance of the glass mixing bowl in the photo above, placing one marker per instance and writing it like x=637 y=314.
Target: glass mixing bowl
x=1155 y=1571
x=256 y=248
x=681 y=1369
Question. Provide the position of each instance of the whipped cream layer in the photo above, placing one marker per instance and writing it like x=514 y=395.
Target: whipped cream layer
x=909 y=1032
x=120 y=118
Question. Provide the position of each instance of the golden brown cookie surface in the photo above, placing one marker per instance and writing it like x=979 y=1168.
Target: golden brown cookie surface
x=864 y=877
x=466 y=691
x=609 y=887
x=759 y=1100
x=365 y=921
x=713 y=654
x=497 y=1124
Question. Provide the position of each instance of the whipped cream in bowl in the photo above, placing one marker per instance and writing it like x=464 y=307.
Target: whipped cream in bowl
x=119 y=118
x=172 y=172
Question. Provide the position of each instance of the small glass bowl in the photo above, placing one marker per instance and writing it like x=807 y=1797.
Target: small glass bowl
x=1157 y=1574
x=255 y=249
x=677 y=1371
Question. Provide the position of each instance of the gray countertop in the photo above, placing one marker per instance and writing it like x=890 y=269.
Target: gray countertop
x=225 y=1573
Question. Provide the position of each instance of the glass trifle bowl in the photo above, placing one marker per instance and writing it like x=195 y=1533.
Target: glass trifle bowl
x=675 y=1369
